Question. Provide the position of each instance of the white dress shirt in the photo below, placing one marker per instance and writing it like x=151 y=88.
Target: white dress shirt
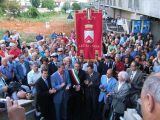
x=85 y=67
x=32 y=76
x=133 y=75
x=120 y=85
x=108 y=79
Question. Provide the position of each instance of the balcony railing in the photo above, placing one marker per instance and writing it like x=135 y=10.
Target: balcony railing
x=146 y=7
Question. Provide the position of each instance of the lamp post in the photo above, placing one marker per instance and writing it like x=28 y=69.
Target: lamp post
x=69 y=18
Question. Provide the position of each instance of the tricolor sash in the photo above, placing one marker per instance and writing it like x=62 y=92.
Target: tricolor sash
x=75 y=77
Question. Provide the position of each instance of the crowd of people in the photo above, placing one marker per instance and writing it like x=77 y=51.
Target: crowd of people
x=65 y=86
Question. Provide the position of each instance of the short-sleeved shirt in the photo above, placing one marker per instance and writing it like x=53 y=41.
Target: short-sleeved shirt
x=32 y=76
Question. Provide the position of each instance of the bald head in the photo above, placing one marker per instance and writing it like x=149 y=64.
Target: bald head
x=21 y=94
x=109 y=73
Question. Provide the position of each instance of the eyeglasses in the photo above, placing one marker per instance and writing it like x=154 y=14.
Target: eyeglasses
x=59 y=51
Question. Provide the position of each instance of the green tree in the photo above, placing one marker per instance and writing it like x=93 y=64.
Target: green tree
x=50 y=4
x=66 y=6
x=33 y=12
x=35 y=3
x=2 y=4
x=76 y=6
x=1 y=11
x=12 y=8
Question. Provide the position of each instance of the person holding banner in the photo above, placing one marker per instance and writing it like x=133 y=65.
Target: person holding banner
x=77 y=76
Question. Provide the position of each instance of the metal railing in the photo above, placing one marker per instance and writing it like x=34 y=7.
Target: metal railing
x=144 y=7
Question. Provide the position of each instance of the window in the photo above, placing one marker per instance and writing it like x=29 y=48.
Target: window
x=120 y=3
x=114 y=2
x=108 y=2
x=130 y=5
x=136 y=4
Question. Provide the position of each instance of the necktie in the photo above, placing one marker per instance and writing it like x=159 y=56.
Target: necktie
x=131 y=76
x=46 y=82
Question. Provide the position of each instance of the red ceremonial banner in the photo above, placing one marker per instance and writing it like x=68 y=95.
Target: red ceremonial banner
x=89 y=33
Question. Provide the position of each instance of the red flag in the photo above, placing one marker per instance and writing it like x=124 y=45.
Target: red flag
x=89 y=33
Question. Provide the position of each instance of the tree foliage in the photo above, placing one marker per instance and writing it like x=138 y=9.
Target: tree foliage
x=1 y=2
x=66 y=6
x=33 y=12
x=76 y=6
x=50 y=4
x=11 y=7
x=1 y=11
x=35 y=3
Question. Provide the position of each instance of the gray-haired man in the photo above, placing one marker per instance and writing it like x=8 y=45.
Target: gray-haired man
x=120 y=92
x=150 y=97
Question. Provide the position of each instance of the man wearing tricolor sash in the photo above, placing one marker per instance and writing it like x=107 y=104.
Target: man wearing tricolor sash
x=77 y=76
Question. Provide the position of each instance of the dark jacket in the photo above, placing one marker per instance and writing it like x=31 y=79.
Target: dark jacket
x=52 y=68
x=44 y=99
x=137 y=81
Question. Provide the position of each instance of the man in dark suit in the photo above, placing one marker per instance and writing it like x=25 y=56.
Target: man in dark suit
x=52 y=67
x=136 y=81
x=44 y=96
x=120 y=92
x=77 y=76
x=91 y=90
x=108 y=64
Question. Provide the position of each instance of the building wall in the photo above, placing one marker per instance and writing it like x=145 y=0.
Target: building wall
x=155 y=26
x=134 y=9
x=24 y=2
x=123 y=14
x=145 y=7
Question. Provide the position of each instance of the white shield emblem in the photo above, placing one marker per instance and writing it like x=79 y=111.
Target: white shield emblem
x=88 y=36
